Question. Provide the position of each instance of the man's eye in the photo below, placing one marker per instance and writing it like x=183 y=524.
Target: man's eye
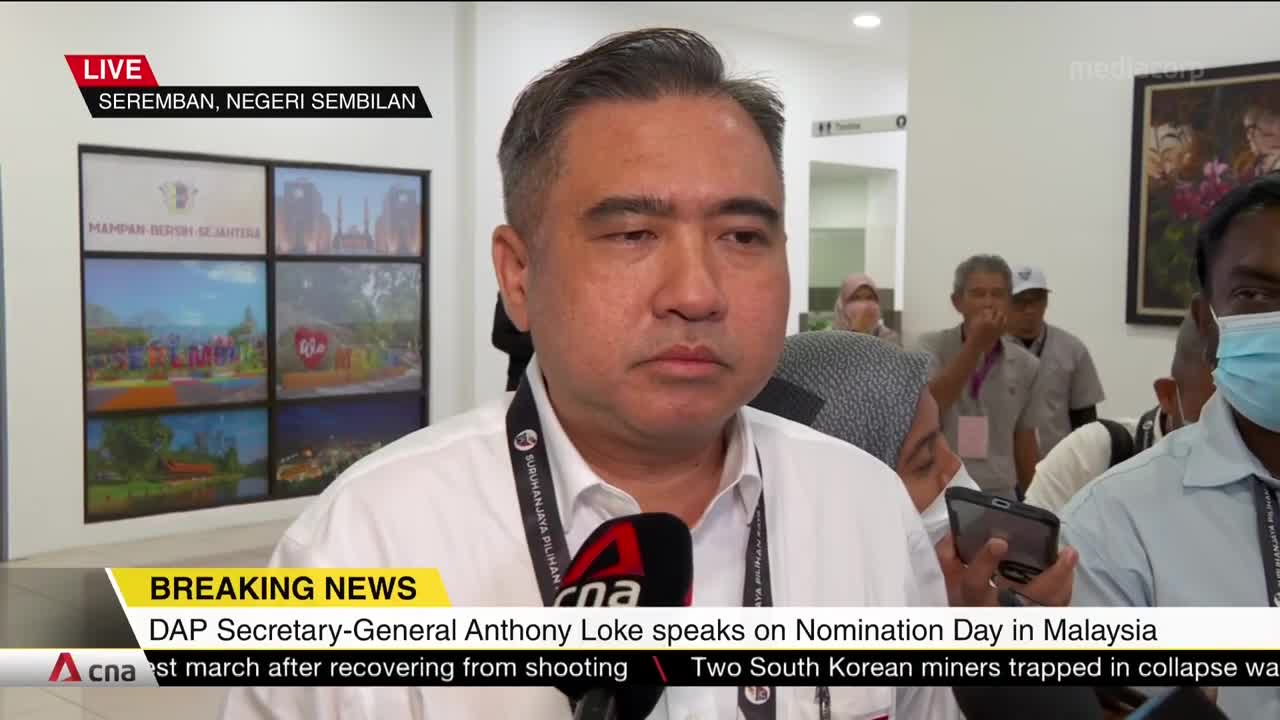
x=748 y=237
x=632 y=236
x=1252 y=294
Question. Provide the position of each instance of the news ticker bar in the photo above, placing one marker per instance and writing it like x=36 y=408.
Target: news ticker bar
x=210 y=101
x=399 y=668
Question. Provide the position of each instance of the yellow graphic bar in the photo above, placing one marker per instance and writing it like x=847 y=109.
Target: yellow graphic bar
x=270 y=587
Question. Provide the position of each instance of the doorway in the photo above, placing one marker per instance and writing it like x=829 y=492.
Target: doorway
x=853 y=216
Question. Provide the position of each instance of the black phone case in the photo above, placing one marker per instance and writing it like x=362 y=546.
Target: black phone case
x=1015 y=571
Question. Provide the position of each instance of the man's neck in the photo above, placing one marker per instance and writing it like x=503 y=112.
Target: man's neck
x=681 y=479
x=1264 y=444
x=1027 y=342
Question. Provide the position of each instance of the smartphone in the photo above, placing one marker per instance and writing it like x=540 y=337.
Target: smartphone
x=1032 y=532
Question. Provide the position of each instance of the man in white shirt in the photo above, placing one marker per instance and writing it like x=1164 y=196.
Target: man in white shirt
x=646 y=255
x=1091 y=450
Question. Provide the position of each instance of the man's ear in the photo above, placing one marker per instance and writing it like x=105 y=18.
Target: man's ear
x=1208 y=327
x=511 y=265
x=955 y=303
x=1167 y=395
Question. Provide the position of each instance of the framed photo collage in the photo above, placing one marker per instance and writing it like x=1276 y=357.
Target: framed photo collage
x=251 y=328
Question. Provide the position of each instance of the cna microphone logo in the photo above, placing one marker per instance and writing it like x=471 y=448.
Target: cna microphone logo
x=124 y=86
x=67 y=664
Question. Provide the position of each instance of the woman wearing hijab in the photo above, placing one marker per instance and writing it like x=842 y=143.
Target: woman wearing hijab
x=858 y=309
x=876 y=397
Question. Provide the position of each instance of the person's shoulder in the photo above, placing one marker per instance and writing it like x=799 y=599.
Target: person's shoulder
x=819 y=458
x=447 y=462
x=1023 y=360
x=1074 y=345
x=939 y=342
x=1140 y=481
x=1090 y=435
x=938 y=336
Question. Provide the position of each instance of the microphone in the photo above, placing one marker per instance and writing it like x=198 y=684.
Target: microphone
x=1049 y=702
x=641 y=560
x=1185 y=703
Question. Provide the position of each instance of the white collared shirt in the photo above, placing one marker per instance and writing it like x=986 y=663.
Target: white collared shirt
x=842 y=532
x=1081 y=457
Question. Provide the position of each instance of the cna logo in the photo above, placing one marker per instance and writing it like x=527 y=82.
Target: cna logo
x=97 y=672
x=65 y=663
x=526 y=440
x=179 y=197
x=757 y=695
x=1024 y=274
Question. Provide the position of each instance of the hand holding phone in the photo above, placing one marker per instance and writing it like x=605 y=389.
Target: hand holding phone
x=993 y=536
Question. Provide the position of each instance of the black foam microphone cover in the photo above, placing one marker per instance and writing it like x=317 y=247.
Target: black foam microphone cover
x=1049 y=702
x=1184 y=703
x=643 y=560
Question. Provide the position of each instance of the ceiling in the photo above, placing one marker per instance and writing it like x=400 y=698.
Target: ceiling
x=822 y=23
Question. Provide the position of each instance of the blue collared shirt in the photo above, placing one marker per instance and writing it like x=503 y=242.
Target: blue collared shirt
x=1177 y=526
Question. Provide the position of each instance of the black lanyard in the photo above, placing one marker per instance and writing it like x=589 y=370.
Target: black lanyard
x=550 y=553
x=1266 y=503
x=1146 y=435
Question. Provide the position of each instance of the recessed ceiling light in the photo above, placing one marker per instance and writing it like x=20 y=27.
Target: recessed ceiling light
x=866 y=21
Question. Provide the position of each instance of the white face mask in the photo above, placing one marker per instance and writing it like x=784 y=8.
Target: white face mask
x=935 y=518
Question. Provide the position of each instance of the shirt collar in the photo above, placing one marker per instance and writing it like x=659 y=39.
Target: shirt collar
x=1218 y=455
x=573 y=477
x=1037 y=347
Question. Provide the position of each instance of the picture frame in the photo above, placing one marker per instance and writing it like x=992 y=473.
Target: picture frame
x=168 y=203
x=167 y=333
x=140 y=464
x=316 y=441
x=384 y=212
x=173 y=487
x=1196 y=135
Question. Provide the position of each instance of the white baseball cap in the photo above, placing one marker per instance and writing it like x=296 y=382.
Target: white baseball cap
x=1027 y=277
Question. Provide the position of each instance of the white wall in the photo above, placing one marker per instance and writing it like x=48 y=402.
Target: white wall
x=883 y=230
x=470 y=59
x=833 y=254
x=409 y=44
x=1010 y=154
x=516 y=41
x=838 y=203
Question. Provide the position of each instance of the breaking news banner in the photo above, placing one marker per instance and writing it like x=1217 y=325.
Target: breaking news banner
x=124 y=86
x=395 y=627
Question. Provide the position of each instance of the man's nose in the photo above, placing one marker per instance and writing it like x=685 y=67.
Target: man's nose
x=691 y=282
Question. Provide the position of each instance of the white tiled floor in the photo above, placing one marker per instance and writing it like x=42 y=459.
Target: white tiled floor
x=234 y=547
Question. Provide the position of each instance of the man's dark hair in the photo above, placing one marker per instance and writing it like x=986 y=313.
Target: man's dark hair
x=640 y=65
x=1263 y=192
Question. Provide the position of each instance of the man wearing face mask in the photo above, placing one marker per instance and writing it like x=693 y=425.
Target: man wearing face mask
x=1146 y=542
x=1094 y=448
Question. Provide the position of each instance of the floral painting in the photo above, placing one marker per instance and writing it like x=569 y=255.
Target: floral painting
x=1196 y=136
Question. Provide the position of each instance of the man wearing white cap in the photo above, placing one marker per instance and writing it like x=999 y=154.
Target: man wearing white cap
x=1072 y=388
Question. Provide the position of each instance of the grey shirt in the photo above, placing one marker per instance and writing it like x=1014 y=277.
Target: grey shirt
x=1070 y=382
x=1008 y=399
x=1177 y=526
